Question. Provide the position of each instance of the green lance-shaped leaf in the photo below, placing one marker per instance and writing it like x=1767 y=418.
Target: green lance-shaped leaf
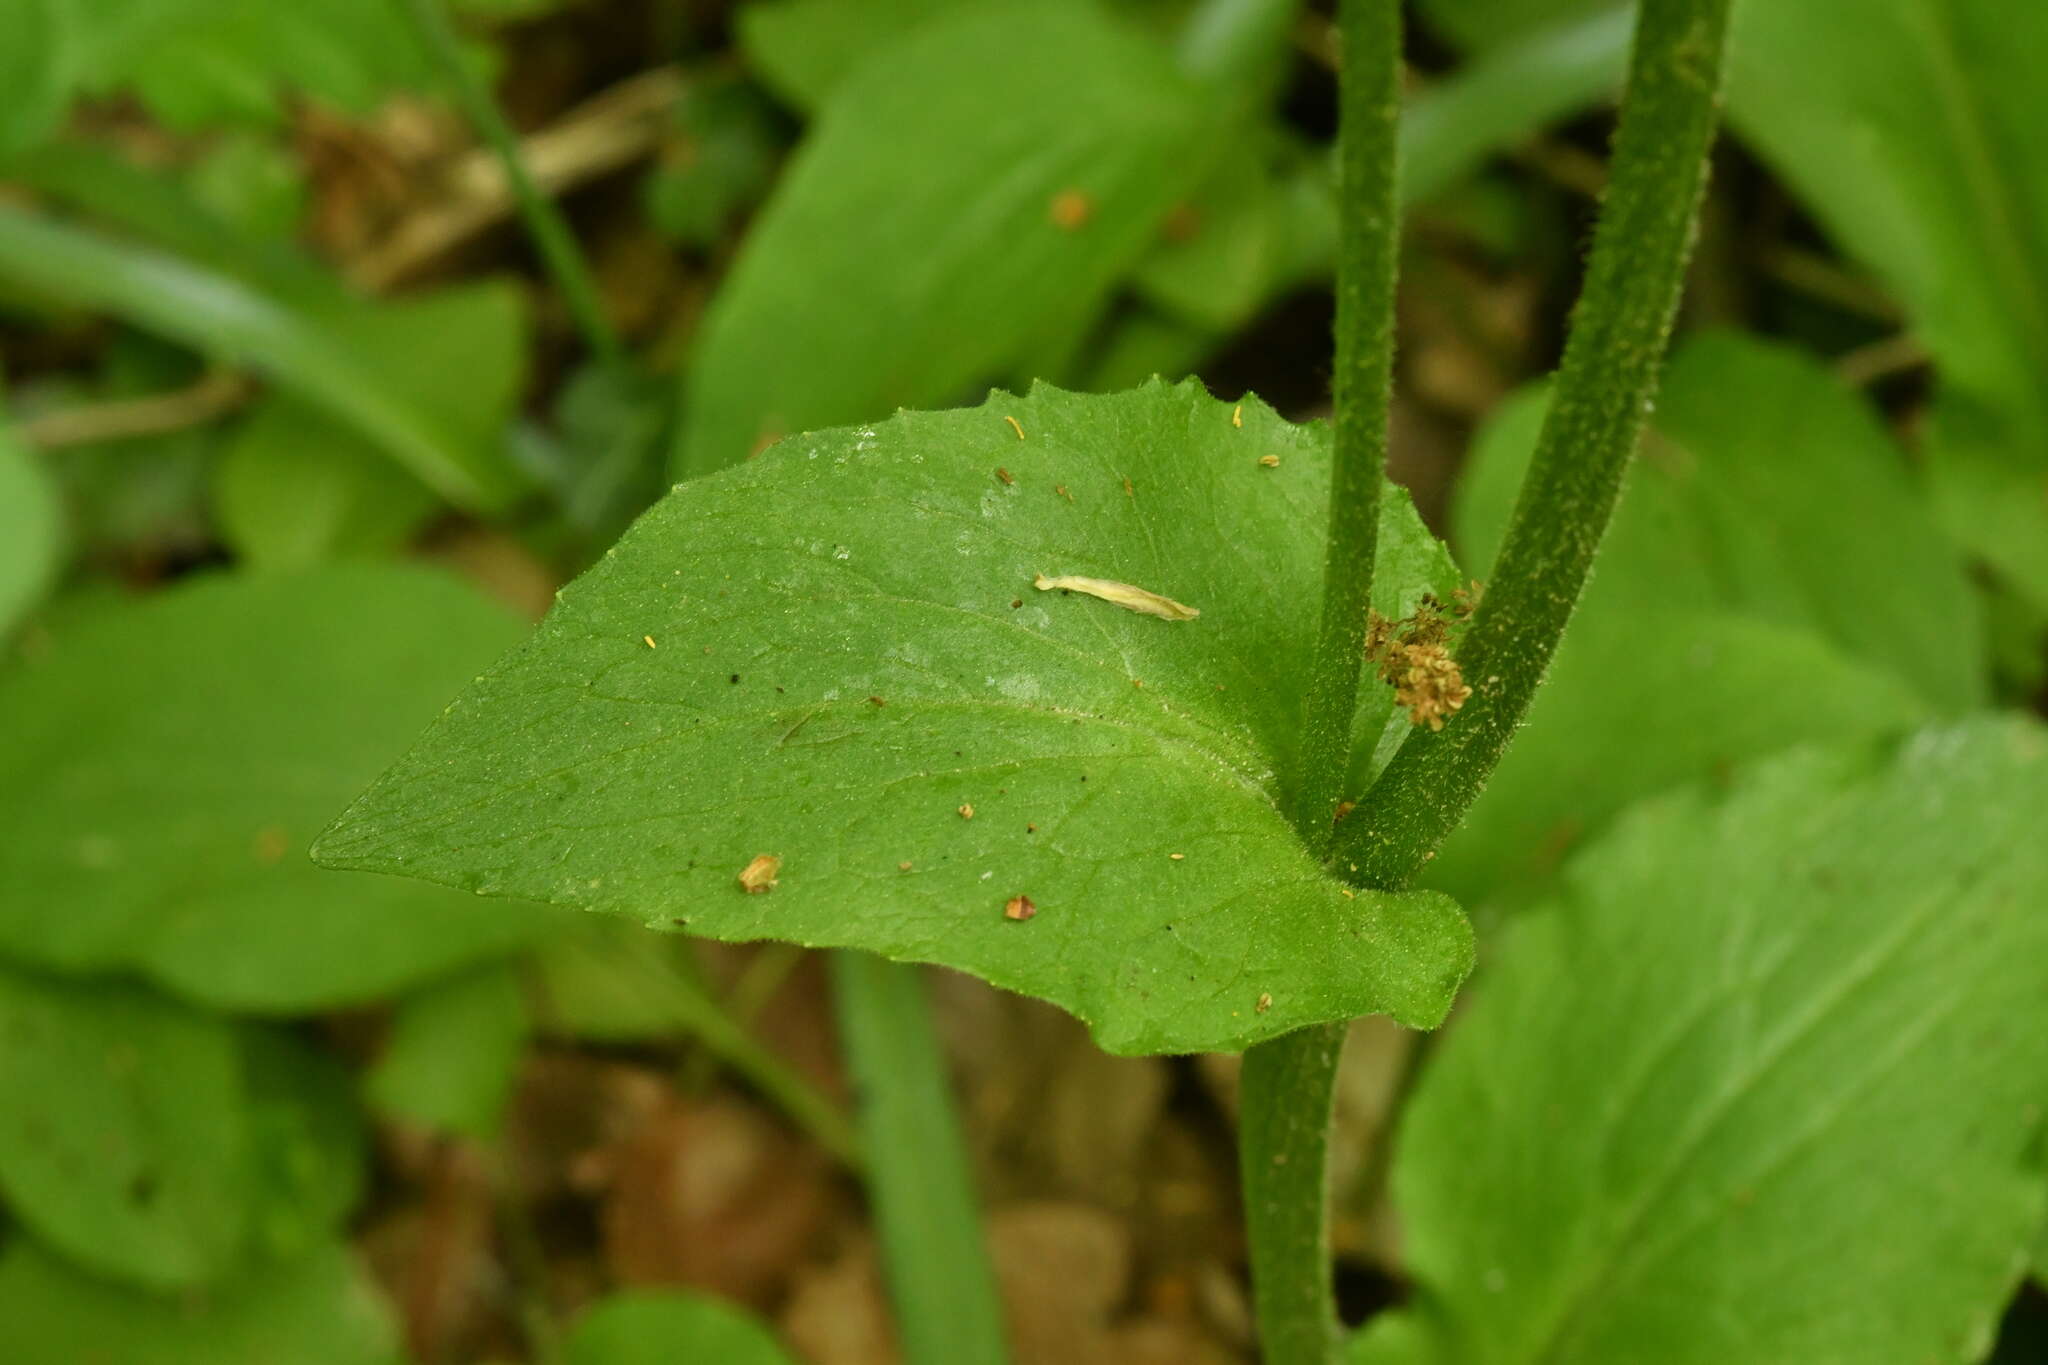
x=1761 y=1082
x=834 y=656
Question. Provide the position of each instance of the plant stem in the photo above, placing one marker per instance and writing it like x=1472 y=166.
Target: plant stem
x=1602 y=399
x=918 y=1177
x=550 y=231
x=1603 y=395
x=1289 y=1083
x=1286 y=1097
x=1367 y=251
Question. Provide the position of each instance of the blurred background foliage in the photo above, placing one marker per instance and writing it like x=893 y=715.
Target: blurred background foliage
x=298 y=430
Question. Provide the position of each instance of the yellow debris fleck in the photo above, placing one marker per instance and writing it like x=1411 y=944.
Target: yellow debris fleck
x=1237 y=415
x=649 y=639
x=1016 y=426
x=759 y=875
x=1122 y=594
x=967 y=812
x=1270 y=461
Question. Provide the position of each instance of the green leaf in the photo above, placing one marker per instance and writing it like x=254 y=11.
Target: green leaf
x=1506 y=24
x=217 y=313
x=725 y=141
x=162 y=766
x=803 y=49
x=202 y=62
x=306 y=1141
x=30 y=531
x=645 y=1327
x=915 y=246
x=1911 y=129
x=1761 y=1082
x=122 y=1134
x=1770 y=576
x=454 y=1052
x=296 y=486
x=893 y=562
x=320 y=1310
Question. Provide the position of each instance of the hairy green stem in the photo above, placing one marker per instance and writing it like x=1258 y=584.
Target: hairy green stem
x=1603 y=395
x=1368 y=246
x=1286 y=1098
x=1289 y=1084
x=918 y=1177
x=544 y=221
x=1602 y=399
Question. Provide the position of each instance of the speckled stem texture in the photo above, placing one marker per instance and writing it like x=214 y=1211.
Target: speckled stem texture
x=1603 y=397
x=1604 y=392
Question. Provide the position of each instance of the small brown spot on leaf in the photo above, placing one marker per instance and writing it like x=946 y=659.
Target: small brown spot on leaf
x=1061 y=489
x=1019 y=907
x=1344 y=808
x=1016 y=602
x=1031 y=829
x=966 y=811
x=1265 y=1002
x=1006 y=476
x=903 y=866
x=876 y=701
x=271 y=844
x=1128 y=490
x=734 y=678
x=759 y=876
x=1071 y=210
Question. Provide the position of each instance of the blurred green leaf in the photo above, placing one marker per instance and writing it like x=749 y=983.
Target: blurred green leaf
x=123 y=1137
x=974 y=189
x=454 y=1052
x=1505 y=24
x=1256 y=228
x=306 y=1143
x=165 y=1146
x=319 y=1310
x=848 y=650
x=216 y=313
x=1508 y=92
x=1760 y=1083
x=31 y=530
x=33 y=87
x=803 y=49
x=1770 y=577
x=162 y=766
x=296 y=486
x=646 y=1327
x=606 y=980
x=1912 y=129
x=718 y=160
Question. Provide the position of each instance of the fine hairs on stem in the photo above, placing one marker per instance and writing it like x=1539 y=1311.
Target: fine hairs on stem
x=1602 y=399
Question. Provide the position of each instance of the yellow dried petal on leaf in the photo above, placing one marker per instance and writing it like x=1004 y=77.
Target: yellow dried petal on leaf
x=1122 y=594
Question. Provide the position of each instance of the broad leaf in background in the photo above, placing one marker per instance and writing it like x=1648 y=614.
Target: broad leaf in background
x=296 y=486
x=165 y=1146
x=1007 y=165
x=802 y=49
x=1759 y=1083
x=648 y=1328
x=1770 y=576
x=30 y=531
x=199 y=63
x=835 y=655
x=453 y=1053
x=307 y=1143
x=226 y=317
x=163 y=765
x=123 y=1137
x=1912 y=128
x=319 y=1310
x=1505 y=24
